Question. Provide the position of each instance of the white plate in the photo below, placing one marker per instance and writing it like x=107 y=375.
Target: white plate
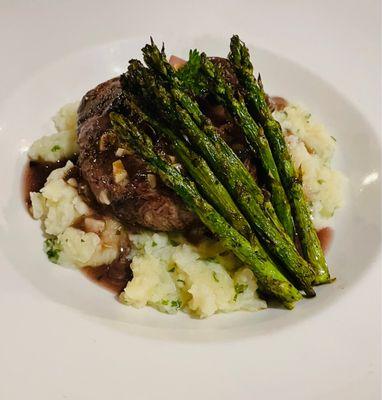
x=68 y=296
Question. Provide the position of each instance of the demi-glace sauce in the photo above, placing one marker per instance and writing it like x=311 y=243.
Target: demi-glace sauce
x=114 y=276
x=34 y=177
x=326 y=237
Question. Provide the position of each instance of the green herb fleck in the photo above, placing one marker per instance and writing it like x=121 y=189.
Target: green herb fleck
x=154 y=244
x=176 y=304
x=333 y=138
x=328 y=214
x=214 y=275
x=56 y=147
x=82 y=240
x=165 y=302
x=239 y=289
x=52 y=249
x=173 y=242
x=307 y=116
x=172 y=269
x=181 y=281
x=320 y=181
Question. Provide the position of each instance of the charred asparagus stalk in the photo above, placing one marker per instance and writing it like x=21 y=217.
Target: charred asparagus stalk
x=254 y=134
x=205 y=179
x=157 y=61
x=202 y=175
x=258 y=107
x=229 y=170
x=270 y=279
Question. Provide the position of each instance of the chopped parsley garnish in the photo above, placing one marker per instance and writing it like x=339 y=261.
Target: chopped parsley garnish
x=53 y=249
x=328 y=214
x=181 y=280
x=333 y=138
x=154 y=244
x=82 y=240
x=176 y=304
x=239 y=289
x=172 y=269
x=173 y=242
x=215 y=276
x=56 y=147
x=320 y=181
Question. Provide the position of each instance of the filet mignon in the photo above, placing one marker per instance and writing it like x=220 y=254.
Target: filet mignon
x=141 y=200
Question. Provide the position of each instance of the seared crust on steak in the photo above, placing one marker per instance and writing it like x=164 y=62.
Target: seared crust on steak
x=98 y=100
x=138 y=201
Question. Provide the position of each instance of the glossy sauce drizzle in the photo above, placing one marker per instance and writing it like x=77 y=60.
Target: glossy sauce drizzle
x=113 y=277
x=325 y=236
x=34 y=177
x=116 y=275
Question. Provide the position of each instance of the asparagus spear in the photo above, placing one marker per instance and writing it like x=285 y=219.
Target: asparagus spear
x=210 y=186
x=254 y=134
x=202 y=175
x=157 y=61
x=199 y=170
x=270 y=279
x=228 y=168
x=257 y=105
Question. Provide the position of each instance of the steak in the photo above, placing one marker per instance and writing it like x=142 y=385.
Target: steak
x=98 y=100
x=142 y=200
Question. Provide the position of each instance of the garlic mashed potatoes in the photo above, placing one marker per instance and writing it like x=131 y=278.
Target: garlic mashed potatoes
x=171 y=275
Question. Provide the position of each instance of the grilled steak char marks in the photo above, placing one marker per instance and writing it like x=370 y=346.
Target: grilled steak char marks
x=143 y=200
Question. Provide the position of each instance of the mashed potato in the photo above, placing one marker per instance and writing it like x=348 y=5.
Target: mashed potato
x=81 y=249
x=59 y=206
x=312 y=149
x=62 y=144
x=169 y=277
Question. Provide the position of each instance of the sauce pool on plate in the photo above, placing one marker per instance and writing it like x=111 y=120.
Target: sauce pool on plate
x=34 y=177
x=113 y=277
x=116 y=275
x=325 y=235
